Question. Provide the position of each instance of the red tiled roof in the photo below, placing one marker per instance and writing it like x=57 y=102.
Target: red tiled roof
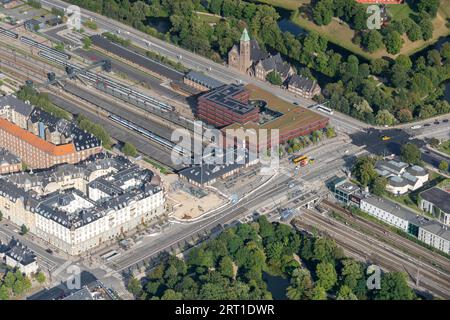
x=35 y=141
x=381 y=1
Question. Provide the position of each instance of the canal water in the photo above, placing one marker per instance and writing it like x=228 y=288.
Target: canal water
x=286 y=25
x=276 y=286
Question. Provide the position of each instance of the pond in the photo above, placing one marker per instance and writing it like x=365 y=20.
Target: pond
x=162 y=25
x=276 y=286
x=289 y=26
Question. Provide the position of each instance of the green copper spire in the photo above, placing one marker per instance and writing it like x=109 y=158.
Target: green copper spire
x=245 y=36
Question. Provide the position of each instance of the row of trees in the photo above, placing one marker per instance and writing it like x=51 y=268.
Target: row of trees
x=41 y=100
x=316 y=136
x=95 y=129
x=14 y=284
x=232 y=266
x=404 y=94
x=418 y=27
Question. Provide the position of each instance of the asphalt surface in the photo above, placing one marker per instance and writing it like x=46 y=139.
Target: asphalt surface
x=53 y=33
x=180 y=234
x=61 y=291
x=372 y=140
x=137 y=58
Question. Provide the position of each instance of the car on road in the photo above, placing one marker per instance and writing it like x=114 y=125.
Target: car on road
x=445 y=120
x=416 y=127
x=296 y=103
x=50 y=251
x=436 y=122
x=427 y=125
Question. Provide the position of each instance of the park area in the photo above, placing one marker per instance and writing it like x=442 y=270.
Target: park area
x=284 y=4
x=339 y=33
x=445 y=147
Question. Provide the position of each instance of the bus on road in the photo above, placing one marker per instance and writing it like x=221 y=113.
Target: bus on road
x=302 y=160
x=324 y=109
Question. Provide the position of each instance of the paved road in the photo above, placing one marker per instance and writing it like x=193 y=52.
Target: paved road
x=274 y=190
x=193 y=61
x=180 y=233
x=189 y=59
x=48 y=261
x=373 y=143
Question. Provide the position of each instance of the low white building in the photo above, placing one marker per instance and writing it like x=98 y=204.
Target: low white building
x=401 y=177
x=428 y=231
x=436 y=235
x=16 y=255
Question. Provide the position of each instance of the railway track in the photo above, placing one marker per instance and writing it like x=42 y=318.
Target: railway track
x=372 y=250
x=395 y=240
x=224 y=217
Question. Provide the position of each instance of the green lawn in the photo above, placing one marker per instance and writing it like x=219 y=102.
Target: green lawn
x=208 y=18
x=285 y=4
x=341 y=35
x=399 y=11
x=445 y=147
x=162 y=169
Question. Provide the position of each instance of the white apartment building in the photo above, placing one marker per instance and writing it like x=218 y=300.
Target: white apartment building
x=16 y=255
x=387 y=211
x=75 y=220
x=436 y=235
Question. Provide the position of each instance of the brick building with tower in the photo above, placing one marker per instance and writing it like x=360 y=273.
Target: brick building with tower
x=249 y=58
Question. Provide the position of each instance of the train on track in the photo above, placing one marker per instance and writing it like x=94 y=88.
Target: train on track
x=150 y=135
x=43 y=47
x=8 y=33
x=111 y=87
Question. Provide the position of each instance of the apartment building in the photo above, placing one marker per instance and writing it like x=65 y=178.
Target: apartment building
x=75 y=221
x=40 y=139
x=437 y=202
